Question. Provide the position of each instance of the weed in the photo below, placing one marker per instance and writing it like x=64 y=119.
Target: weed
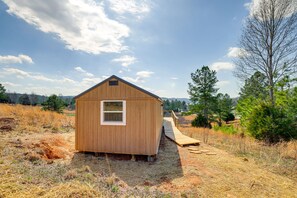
x=228 y=129
x=109 y=181
x=114 y=188
x=71 y=174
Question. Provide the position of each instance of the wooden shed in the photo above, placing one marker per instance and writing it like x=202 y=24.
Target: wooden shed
x=116 y=116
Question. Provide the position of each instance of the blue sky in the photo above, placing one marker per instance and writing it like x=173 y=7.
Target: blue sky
x=65 y=47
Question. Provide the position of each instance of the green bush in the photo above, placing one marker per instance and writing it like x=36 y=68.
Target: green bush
x=186 y=113
x=229 y=117
x=201 y=121
x=54 y=103
x=228 y=129
x=271 y=124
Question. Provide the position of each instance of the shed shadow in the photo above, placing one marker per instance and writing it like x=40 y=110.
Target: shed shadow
x=165 y=168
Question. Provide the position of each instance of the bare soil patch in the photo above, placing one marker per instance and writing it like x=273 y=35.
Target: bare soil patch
x=7 y=124
x=46 y=165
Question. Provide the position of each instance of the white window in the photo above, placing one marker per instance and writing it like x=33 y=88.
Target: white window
x=113 y=112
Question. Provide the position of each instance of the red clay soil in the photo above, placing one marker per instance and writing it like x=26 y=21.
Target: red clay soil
x=48 y=147
x=7 y=124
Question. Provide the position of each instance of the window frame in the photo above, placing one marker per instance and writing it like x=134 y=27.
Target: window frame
x=114 y=123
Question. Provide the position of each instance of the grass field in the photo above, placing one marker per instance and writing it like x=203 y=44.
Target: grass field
x=280 y=158
x=41 y=162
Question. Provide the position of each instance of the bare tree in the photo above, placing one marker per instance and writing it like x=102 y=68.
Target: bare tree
x=269 y=42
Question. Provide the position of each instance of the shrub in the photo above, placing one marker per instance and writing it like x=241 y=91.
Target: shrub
x=229 y=117
x=3 y=96
x=186 y=113
x=54 y=103
x=271 y=124
x=201 y=121
x=228 y=129
x=24 y=100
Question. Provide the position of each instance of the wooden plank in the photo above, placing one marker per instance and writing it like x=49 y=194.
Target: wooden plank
x=196 y=152
x=210 y=153
x=175 y=135
x=193 y=149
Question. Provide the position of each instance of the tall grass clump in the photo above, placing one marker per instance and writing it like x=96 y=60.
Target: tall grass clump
x=34 y=119
x=228 y=129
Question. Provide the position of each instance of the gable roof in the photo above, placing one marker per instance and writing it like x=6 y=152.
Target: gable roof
x=123 y=81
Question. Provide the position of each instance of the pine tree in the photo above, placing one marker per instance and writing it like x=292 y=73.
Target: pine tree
x=3 y=97
x=202 y=91
x=24 y=99
x=54 y=103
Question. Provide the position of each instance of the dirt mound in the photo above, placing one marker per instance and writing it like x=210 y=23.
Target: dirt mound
x=48 y=148
x=7 y=124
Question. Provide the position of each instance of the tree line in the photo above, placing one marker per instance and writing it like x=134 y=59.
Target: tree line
x=175 y=105
x=53 y=102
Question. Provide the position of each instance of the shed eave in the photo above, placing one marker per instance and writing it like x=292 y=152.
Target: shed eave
x=123 y=81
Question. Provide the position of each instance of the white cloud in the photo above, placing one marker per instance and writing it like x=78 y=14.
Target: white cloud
x=134 y=80
x=20 y=59
x=84 y=72
x=43 y=84
x=144 y=74
x=22 y=74
x=217 y=66
x=174 y=78
x=134 y=7
x=140 y=77
x=223 y=83
x=16 y=71
x=35 y=76
x=26 y=59
x=10 y=84
x=235 y=52
x=86 y=82
x=68 y=80
x=125 y=60
x=80 y=24
x=248 y=5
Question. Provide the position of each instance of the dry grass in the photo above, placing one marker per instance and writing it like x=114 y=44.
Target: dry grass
x=34 y=119
x=45 y=164
x=176 y=173
x=82 y=175
x=280 y=158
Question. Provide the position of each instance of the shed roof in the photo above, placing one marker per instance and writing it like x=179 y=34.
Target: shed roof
x=123 y=81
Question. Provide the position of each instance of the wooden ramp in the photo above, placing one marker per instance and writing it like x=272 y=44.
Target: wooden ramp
x=175 y=135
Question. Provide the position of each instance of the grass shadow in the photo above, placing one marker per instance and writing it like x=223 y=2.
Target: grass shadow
x=165 y=168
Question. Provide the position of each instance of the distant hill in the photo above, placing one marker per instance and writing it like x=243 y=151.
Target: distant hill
x=187 y=100
x=41 y=98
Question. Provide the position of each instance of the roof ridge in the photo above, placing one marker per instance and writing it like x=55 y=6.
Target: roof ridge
x=122 y=80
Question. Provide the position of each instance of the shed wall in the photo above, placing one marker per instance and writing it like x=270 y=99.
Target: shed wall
x=141 y=133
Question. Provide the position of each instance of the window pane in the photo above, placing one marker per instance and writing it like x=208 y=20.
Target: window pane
x=113 y=106
x=115 y=117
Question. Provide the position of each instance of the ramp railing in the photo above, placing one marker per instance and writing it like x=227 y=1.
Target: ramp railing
x=175 y=118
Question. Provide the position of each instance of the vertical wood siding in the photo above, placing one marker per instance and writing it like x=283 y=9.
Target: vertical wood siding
x=141 y=135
